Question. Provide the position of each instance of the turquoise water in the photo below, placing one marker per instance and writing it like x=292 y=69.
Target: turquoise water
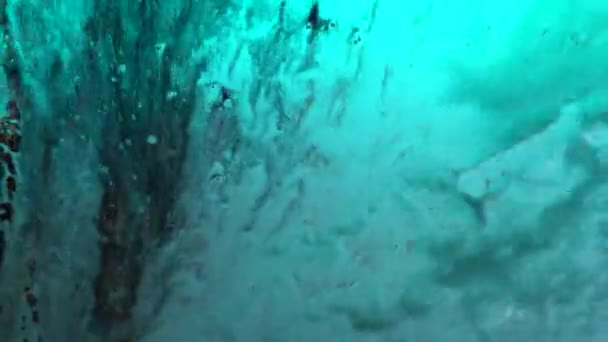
x=274 y=171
